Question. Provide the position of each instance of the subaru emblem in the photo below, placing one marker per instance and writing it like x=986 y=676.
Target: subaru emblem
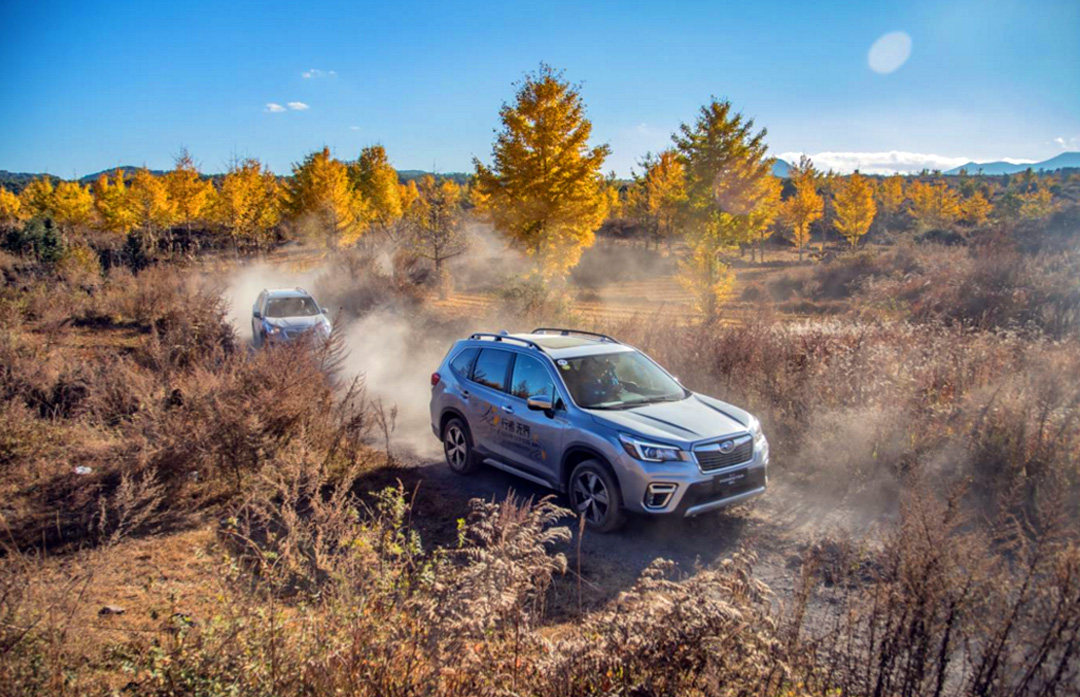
x=727 y=446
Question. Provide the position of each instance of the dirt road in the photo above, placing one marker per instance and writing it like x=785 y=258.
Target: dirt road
x=611 y=563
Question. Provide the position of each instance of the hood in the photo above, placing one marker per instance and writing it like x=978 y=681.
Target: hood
x=296 y=322
x=693 y=419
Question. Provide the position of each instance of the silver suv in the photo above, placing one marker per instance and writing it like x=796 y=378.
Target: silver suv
x=286 y=314
x=584 y=414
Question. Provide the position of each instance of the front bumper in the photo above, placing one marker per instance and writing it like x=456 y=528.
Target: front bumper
x=312 y=334
x=695 y=492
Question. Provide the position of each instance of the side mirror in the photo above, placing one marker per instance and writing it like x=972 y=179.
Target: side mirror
x=540 y=402
x=256 y=314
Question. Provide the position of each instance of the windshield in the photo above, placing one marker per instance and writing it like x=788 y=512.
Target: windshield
x=291 y=307
x=618 y=381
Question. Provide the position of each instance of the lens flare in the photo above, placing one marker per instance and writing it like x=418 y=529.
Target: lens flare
x=889 y=52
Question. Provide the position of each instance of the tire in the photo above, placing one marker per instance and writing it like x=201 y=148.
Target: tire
x=256 y=337
x=457 y=447
x=593 y=491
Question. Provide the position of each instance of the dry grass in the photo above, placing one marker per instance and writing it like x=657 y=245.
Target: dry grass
x=233 y=482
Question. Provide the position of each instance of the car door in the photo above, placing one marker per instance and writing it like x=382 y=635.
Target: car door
x=531 y=440
x=486 y=398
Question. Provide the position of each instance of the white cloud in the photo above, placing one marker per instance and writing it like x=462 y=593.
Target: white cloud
x=274 y=108
x=298 y=106
x=315 y=74
x=884 y=162
x=354 y=128
x=889 y=52
x=1067 y=143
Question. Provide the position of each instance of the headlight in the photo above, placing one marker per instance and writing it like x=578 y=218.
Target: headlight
x=761 y=445
x=272 y=330
x=651 y=452
x=754 y=426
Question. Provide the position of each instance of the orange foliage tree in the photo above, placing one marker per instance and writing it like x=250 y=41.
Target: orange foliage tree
x=855 y=207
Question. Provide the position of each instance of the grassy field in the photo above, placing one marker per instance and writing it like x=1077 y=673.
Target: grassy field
x=271 y=523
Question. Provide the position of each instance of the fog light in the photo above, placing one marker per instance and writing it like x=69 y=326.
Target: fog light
x=658 y=495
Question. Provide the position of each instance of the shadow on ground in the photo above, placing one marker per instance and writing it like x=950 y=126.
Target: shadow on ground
x=608 y=563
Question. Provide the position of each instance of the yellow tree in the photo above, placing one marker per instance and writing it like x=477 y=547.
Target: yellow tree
x=890 y=195
x=976 y=209
x=154 y=210
x=376 y=182
x=1037 y=203
x=434 y=226
x=764 y=216
x=408 y=193
x=855 y=207
x=805 y=206
x=828 y=184
x=320 y=197
x=934 y=205
x=11 y=209
x=72 y=206
x=188 y=191
x=545 y=190
x=727 y=196
x=247 y=205
x=37 y=196
x=115 y=206
x=661 y=195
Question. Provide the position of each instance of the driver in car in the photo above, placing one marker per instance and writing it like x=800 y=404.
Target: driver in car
x=598 y=381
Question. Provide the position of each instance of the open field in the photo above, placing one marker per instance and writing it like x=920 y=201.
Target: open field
x=922 y=448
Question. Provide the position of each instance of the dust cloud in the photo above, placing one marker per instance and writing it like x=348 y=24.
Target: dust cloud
x=393 y=341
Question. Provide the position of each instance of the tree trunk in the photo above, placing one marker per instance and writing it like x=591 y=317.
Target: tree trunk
x=441 y=279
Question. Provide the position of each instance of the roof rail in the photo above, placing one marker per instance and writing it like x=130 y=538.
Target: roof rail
x=505 y=337
x=567 y=332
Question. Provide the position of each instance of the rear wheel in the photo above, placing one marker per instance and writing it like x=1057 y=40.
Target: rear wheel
x=594 y=493
x=457 y=446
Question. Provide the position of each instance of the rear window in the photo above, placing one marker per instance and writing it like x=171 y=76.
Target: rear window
x=463 y=361
x=490 y=368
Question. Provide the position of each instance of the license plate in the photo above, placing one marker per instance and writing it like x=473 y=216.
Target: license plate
x=726 y=481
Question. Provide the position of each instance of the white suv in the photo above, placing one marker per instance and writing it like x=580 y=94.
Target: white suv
x=286 y=314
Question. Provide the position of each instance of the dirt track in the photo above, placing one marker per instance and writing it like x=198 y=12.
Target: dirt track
x=771 y=527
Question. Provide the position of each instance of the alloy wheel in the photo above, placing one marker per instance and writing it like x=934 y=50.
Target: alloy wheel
x=592 y=497
x=456 y=447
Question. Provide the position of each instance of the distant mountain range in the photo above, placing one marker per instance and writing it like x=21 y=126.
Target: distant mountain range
x=1062 y=161
x=128 y=171
x=17 y=180
x=781 y=169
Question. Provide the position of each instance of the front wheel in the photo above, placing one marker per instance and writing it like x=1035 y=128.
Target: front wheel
x=457 y=446
x=594 y=493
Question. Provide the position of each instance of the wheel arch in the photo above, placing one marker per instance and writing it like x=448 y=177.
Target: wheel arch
x=574 y=456
x=452 y=413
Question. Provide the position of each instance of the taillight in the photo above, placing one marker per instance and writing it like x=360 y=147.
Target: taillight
x=435 y=377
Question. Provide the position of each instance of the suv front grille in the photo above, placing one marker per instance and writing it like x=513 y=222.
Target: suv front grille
x=711 y=457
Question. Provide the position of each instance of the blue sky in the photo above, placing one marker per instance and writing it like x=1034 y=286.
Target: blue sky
x=89 y=85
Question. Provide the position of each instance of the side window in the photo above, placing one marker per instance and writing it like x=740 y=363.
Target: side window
x=530 y=378
x=462 y=362
x=490 y=368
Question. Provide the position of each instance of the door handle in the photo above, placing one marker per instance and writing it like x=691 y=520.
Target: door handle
x=465 y=394
x=508 y=409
